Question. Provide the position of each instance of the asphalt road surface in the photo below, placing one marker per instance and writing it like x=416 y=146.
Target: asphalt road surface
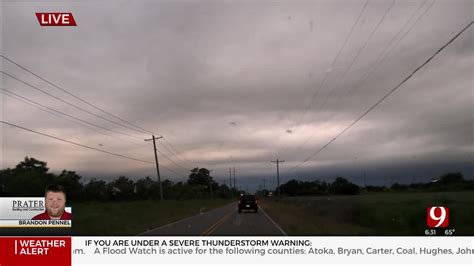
x=223 y=221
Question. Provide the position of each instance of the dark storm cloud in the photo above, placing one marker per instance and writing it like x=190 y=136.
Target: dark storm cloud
x=231 y=83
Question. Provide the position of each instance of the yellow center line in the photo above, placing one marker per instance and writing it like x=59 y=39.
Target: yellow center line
x=213 y=227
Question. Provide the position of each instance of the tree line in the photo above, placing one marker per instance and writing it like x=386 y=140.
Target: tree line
x=31 y=176
x=340 y=186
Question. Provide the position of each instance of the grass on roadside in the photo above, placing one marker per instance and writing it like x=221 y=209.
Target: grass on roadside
x=131 y=218
x=369 y=214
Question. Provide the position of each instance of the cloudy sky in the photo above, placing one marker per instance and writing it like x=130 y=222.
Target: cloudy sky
x=242 y=83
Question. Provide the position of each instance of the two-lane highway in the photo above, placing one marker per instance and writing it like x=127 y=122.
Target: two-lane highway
x=223 y=221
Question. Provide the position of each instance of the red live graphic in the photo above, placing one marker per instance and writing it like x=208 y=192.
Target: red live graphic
x=35 y=251
x=56 y=19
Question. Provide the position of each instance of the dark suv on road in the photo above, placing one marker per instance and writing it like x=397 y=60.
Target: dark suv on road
x=248 y=202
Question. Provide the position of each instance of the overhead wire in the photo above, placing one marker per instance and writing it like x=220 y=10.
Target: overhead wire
x=354 y=59
x=173 y=157
x=394 y=44
x=323 y=81
x=343 y=77
x=175 y=163
x=393 y=41
x=4 y=91
x=384 y=97
x=140 y=128
x=143 y=130
x=71 y=118
x=75 y=143
x=177 y=152
x=88 y=147
x=50 y=112
x=64 y=101
x=334 y=61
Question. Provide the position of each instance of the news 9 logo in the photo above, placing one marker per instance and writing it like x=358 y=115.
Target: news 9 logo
x=437 y=217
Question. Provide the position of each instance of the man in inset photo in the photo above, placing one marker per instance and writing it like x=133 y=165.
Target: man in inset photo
x=55 y=202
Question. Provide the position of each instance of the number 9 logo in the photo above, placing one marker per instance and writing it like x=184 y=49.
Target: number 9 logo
x=437 y=217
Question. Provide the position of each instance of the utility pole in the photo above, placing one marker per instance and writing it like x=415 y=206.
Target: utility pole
x=234 y=178
x=230 y=181
x=365 y=180
x=157 y=164
x=210 y=185
x=278 y=174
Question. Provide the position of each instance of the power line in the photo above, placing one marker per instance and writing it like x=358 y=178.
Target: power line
x=177 y=152
x=75 y=143
x=34 y=103
x=354 y=59
x=75 y=96
x=67 y=115
x=172 y=171
x=331 y=66
x=385 y=52
x=64 y=116
x=170 y=149
x=392 y=44
x=174 y=162
x=86 y=146
x=141 y=129
x=381 y=57
x=384 y=97
x=64 y=101
x=171 y=160
x=50 y=112
x=334 y=60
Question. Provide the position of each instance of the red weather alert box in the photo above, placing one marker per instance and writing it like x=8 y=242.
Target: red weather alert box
x=38 y=251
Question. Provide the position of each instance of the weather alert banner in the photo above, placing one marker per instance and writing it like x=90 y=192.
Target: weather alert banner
x=38 y=251
x=281 y=251
x=17 y=212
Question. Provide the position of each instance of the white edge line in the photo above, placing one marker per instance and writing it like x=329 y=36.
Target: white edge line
x=179 y=221
x=273 y=222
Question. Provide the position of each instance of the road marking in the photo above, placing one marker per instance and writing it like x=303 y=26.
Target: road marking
x=179 y=221
x=273 y=222
x=213 y=227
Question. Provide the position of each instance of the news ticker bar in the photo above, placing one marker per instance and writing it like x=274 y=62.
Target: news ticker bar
x=66 y=251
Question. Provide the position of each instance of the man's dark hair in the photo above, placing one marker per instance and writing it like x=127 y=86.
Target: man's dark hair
x=54 y=188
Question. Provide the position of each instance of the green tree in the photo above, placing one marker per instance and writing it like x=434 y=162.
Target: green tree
x=451 y=178
x=144 y=188
x=96 y=190
x=341 y=186
x=31 y=165
x=28 y=179
x=201 y=177
x=291 y=188
x=70 y=181
x=122 y=188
